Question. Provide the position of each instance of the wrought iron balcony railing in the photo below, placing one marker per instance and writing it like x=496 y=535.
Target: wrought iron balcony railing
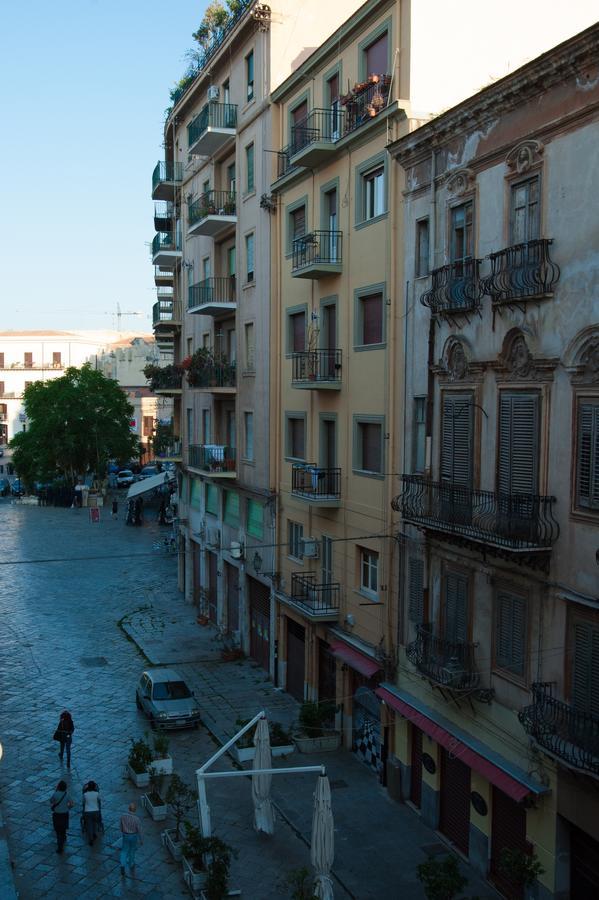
x=314 y=482
x=521 y=272
x=447 y=663
x=284 y=164
x=166 y=292
x=165 y=241
x=167 y=172
x=212 y=290
x=213 y=115
x=316 y=599
x=326 y=125
x=172 y=451
x=513 y=522
x=455 y=288
x=317 y=248
x=212 y=203
x=314 y=366
x=366 y=105
x=166 y=311
x=568 y=733
x=214 y=458
x=164 y=213
x=217 y=375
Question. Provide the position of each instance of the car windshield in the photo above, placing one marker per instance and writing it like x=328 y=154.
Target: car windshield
x=171 y=690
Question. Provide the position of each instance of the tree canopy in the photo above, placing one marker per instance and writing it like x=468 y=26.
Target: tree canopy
x=76 y=423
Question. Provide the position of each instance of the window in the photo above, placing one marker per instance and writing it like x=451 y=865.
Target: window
x=419 y=435
x=297 y=223
x=255 y=519
x=206 y=427
x=524 y=211
x=510 y=632
x=518 y=446
x=249 y=75
x=212 y=499
x=196 y=493
x=332 y=95
x=457 y=438
x=231 y=261
x=28 y=360
x=369 y=447
x=369 y=571
x=231 y=178
x=295 y=534
x=189 y=346
x=205 y=187
x=206 y=268
x=56 y=359
x=370 y=319
x=206 y=340
x=461 y=236
x=416 y=589
x=585 y=666
x=587 y=454
x=326 y=567
x=28 y=384
x=298 y=126
x=249 y=257
x=230 y=428
x=248 y=434
x=249 y=168
x=374 y=193
x=189 y=423
x=297 y=332
x=226 y=91
x=231 y=508
x=148 y=426
x=422 y=248
x=1 y=360
x=376 y=56
x=455 y=607
x=296 y=436
x=250 y=347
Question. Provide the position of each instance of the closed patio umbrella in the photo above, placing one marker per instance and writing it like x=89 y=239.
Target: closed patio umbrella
x=322 y=851
x=263 y=814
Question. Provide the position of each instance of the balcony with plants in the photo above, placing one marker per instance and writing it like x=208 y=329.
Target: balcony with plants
x=317 y=254
x=166 y=249
x=165 y=380
x=215 y=460
x=209 y=371
x=317 y=485
x=521 y=273
x=214 y=296
x=166 y=445
x=567 y=733
x=456 y=288
x=317 y=601
x=166 y=178
x=212 y=213
x=316 y=369
x=212 y=129
x=446 y=663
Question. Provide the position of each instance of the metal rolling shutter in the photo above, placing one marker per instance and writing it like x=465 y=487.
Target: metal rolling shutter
x=455 y=801
x=508 y=831
x=296 y=659
x=584 y=865
x=416 y=763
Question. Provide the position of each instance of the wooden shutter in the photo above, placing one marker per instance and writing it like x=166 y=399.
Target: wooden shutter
x=587 y=457
x=333 y=86
x=255 y=513
x=371 y=447
x=585 y=668
x=372 y=319
x=298 y=332
x=416 y=589
x=296 y=438
x=457 y=428
x=518 y=446
x=510 y=632
x=299 y=222
x=456 y=607
x=377 y=57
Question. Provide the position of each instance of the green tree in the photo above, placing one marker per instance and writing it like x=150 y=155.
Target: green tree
x=215 y=18
x=76 y=423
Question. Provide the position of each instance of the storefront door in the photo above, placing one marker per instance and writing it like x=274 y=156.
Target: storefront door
x=296 y=659
x=454 y=819
x=196 y=573
x=584 y=865
x=416 y=768
x=259 y=596
x=508 y=832
x=232 y=576
x=367 y=728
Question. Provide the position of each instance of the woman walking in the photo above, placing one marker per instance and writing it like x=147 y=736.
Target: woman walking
x=64 y=734
x=60 y=804
x=92 y=811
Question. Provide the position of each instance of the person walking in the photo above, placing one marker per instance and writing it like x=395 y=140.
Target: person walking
x=64 y=734
x=92 y=811
x=131 y=830
x=60 y=804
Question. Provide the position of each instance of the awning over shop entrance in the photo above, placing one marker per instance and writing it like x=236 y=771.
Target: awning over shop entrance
x=358 y=661
x=482 y=759
x=148 y=484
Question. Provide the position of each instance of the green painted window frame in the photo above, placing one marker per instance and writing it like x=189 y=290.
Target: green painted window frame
x=195 y=493
x=379 y=160
x=322 y=418
x=289 y=312
x=363 y=589
x=332 y=300
x=359 y=419
x=211 y=499
x=250 y=76
x=249 y=169
x=331 y=185
x=371 y=37
x=251 y=235
x=254 y=520
x=304 y=97
x=294 y=416
x=289 y=210
x=337 y=69
x=232 y=508
x=366 y=291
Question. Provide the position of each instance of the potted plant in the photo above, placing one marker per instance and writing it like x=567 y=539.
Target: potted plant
x=180 y=798
x=162 y=763
x=315 y=733
x=300 y=883
x=281 y=742
x=206 y=863
x=441 y=878
x=153 y=801
x=139 y=761
x=521 y=869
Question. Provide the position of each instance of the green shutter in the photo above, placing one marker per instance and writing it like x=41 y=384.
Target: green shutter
x=231 y=508
x=212 y=499
x=587 y=461
x=196 y=493
x=456 y=607
x=585 y=669
x=255 y=519
x=457 y=438
x=518 y=447
x=416 y=589
x=510 y=632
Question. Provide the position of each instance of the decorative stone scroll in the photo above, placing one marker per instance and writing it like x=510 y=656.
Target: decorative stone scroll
x=524 y=156
x=516 y=362
x=456 y=363
x=461 y=181
x=582 y=357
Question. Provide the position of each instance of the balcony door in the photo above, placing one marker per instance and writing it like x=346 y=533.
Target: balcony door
x=334 y=105
x=328 y=340
x=457 y=452
x=330 y=249
x=518 y=464
x=455 y=612
x=328 y=455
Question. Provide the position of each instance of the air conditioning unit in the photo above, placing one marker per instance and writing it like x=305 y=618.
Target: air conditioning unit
x=310 y=548
x=213 y=537
x=213 y=92
x=236 y=550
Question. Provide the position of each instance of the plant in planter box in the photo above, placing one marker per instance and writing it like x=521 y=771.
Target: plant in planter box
x=520 y=868
x=162 y=763
x=316 y=733
x=180 y=798
x=441 y=878
x=153 y=801
x=139 y=761
x=278 y=736
x=280 y=740
x=207 y=861
x=299 y=882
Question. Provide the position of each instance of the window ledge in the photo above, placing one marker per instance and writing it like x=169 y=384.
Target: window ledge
x=360 y=348
x=365 y=222
x=367 y=595
x=364 y=472
x=248 y=284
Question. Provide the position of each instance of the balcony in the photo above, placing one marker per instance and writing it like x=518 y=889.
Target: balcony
x=512 y=523
x=456 y=288
x=364 y=105
x=167 y=176
x=164 y=213
x=313 y=139
x=166 y=249
x=447 y=664
x=215 y=460
x=213 y=297
x=318 y=602
x=213 y=128
x=317 y=254
x=284 y=164
x=316 y=370
x=163 y=277
x=165 y=380
x=564 y=731
x=165 y=341
x=173 y=453
x=521 y=273
x=317 y=485
x=166 y=314
x=212 y=213
x=218 y=378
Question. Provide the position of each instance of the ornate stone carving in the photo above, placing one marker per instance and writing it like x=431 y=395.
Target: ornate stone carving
x=582 y=362
x=516 y=362
x=456 y=363
x=524 y=156
x=460 y=181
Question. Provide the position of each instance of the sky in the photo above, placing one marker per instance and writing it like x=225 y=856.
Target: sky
x=83 y=89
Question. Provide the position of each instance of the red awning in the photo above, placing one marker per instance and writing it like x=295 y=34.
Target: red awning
x=358 y=661
x=506 y=783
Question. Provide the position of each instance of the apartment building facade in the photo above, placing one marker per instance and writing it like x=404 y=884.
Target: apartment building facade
x=493 y=714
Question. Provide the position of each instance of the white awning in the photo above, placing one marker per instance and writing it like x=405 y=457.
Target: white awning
x=148 y=484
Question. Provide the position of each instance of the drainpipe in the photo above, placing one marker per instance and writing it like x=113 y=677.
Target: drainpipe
x=430 y=387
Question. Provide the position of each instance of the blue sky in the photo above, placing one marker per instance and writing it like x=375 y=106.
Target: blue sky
x=83 y=88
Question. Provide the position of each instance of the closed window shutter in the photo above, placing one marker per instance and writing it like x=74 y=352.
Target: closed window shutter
x=376 y=57
x=518 y=464
x=456 y=607
x=457 y=439
x=585 y=670
x=587 y=463
x=255 y=514
x=298 y=332
x=510 y=633
x=212 y=499
x=299 y=222
x=372 y=319
x=416 y=589
x=371 y=447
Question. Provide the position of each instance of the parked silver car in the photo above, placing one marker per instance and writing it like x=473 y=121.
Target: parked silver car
x=125 y=478
x=166 y=700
